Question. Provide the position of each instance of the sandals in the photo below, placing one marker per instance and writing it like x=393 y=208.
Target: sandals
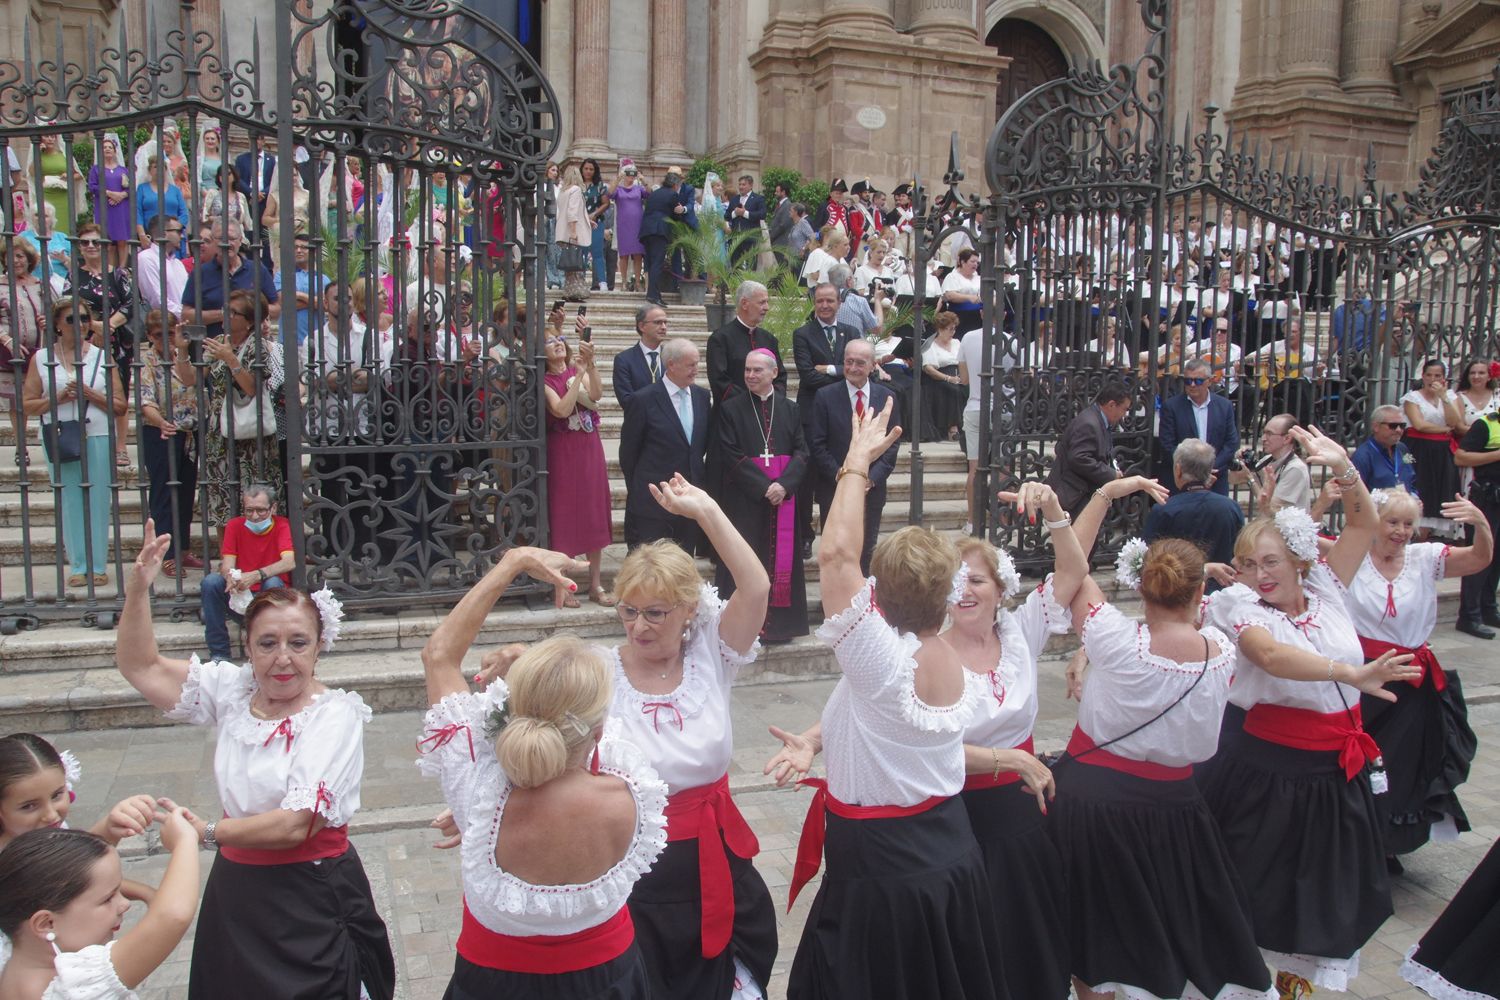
x=603 y=598
x=571 y=601
x=122 y=460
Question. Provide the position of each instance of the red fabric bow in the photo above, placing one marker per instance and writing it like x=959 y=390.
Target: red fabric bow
x=444 y=735
x=653 y=709
x=323 y=799
x=285 y=729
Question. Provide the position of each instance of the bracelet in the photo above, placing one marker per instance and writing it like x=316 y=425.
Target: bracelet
x=210 y=841
x=1067 y=519
x=1103 y=495
x=995 y=755
x=1348 y=476
x=1330 y=668
x=850 y=472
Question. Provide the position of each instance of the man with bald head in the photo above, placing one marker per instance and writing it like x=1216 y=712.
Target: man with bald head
x=665 y=432
x=834 y=409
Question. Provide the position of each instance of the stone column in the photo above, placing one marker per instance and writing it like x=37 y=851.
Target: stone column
x=1309 y=56
x=1371 y=29
x=668 y=80
x=846 y=14
x=591 y=78
x=943 y=17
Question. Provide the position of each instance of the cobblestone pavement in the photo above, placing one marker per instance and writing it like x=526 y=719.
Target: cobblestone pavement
x=418 y=890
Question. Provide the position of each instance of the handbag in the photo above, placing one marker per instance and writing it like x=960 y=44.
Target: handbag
x=255 y=417
x=62 y=440
x=571 y=257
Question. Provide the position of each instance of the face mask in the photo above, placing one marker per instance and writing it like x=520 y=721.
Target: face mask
x=260 y=527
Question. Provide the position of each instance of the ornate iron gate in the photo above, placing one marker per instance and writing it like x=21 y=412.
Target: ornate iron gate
x=1118 y=247
x=403 y=376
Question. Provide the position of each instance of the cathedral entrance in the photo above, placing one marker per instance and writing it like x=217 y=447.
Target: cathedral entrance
x=1035 y=59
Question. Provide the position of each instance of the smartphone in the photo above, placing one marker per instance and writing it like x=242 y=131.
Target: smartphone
x=583 y=310
x=557 y=306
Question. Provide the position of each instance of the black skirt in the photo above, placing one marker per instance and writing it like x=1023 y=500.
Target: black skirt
x=1455 y=960
x=302 y=931
x=1436 y=478
x=944 y=403
x=1028 y=889
x=1306 y=843
x=1154 y=901
x=1427 y=745
x=667 y=907
x=622 y=978
x=903 y=911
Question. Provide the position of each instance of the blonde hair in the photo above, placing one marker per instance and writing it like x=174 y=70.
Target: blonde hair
x=660 y=569
x=1396 y=496
x=1249 y=538
x=913 y=572
x=559 y=692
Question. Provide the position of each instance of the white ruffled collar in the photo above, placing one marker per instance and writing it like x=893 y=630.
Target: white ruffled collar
x=687 y=698
x=240 y=725
x=491 y=887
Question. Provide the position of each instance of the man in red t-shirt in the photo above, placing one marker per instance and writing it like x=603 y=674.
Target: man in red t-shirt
x=259 y=545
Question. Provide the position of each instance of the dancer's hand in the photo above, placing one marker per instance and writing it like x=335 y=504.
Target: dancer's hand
x=794 y=759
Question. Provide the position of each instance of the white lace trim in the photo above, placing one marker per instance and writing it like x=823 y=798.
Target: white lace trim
x=88 y=974
x=462 y=708
x=1230 y=991
x=927 y=718
x=4 y=951
x=489 y=887
x=238 y=724
x=1058 y=619
x=192 y=691
x=688 y=697
x=1432 y=983
x=1015 y=652
x=710 y=609
x=72 y=769
x=331 y=807
x=1323 y=973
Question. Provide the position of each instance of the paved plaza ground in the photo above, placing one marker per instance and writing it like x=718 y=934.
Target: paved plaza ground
x=417 y=888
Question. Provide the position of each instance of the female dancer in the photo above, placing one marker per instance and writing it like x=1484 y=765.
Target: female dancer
x=63 y=904
x=1292 y=792
x=903 y=909
x=1455 y=960
x=707 y=925
x=558 y=820
x=287 y=909
x=1425 y=736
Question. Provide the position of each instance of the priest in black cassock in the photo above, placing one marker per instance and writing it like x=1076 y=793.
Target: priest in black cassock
x=764 y=458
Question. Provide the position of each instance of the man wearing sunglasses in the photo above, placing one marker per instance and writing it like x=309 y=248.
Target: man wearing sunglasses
x=1383 y=459
x=1199 y=413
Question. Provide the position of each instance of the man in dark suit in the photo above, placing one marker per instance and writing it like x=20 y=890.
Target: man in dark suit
x=833 y=408
x=253 y=172
x=728 y=345
x=665 y=432
x=779 y=229
x=687 y=197
x=745 y=212
x=1084 y=458
x=1198 y=413
x=1210 y=521
x=818 y=349
x=640 y=366
x=661 y=207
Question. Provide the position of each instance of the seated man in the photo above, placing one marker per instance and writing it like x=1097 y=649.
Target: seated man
x=257 y=552
x=1196 y=513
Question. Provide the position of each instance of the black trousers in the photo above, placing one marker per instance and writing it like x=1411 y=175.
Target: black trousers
x=640 y=529
x=656 y=262
x=173 y=476
x=1477 y=591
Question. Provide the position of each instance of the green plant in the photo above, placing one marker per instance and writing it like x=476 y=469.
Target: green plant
x=789 y=304
x=701 y=168
x=771 y=176
x=719 y=269
x=812 y=194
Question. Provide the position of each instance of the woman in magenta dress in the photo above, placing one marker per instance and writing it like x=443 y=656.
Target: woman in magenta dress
x=630 y=205
x=578 y=500
x=108 y=180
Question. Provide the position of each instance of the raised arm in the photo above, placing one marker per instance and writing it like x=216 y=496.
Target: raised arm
x=157 y=678
x=1086 y=527
x=145 y=946
x=1071 y=563
x=443 y=655
x=1467 y=559
x=1360 y=519
x=844 y=533
x=745 y=612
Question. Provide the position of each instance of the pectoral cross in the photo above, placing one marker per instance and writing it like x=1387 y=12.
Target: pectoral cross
x=766 y=455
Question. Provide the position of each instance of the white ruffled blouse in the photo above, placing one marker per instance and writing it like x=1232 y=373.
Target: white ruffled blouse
x=314 y=759
x=81 y=975
x=1005 y=711
x=1324 y=628
x=1403 y=610
x=476 y=789
x=687 y=734
x=883 y=745
x=1129 y=685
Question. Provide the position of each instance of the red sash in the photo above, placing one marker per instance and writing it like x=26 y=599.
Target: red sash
x=1002 y=779
x=704 y=813
x=1447 y=439
x=545 y=954
x=1083 y=749
x=1422 y=656
x=329 y=842
x=810 y=844
x=1304 y=729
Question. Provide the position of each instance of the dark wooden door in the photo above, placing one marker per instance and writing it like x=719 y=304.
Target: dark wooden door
x=1035 y=59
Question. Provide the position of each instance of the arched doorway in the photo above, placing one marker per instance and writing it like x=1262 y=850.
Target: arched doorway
x=1035 y=58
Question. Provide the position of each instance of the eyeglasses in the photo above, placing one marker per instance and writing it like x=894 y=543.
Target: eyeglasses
x=1394 y=425
x=653 y=616
x=249 y=511
x=1194 y=381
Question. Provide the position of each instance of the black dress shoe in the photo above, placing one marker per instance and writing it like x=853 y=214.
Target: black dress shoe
x=806 y=549
x=1475 y=629
x=1491 y=618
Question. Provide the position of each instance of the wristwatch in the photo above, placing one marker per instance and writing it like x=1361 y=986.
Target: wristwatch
x=209 y=840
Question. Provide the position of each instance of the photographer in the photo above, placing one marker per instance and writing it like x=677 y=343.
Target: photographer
x=865 y=315
x=1283 y=481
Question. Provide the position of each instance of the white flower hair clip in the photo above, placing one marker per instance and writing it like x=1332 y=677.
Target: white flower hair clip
x=960 y=583
x=1010 y=579
x=1380 y=497
x=72 y=769
x=1129 y=562
x=1299 y=531
x=331 y=611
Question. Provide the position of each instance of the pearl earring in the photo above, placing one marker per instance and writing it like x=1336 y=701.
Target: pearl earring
x=51 y=937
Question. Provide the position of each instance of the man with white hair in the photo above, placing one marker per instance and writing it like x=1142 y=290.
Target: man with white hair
x=730 y=343
x=1195 y=512
x=221 y=270
x=1383 y=460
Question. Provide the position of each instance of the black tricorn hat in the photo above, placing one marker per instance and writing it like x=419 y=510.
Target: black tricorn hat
x=838 y=185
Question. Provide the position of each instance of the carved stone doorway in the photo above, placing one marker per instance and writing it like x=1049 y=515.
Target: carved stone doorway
x=1035 y=59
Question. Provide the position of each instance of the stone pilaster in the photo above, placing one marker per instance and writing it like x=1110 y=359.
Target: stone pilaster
x=591 y=78
x=668 y=80
x=1371 y=30
x=943 y=17
x=1308 y=58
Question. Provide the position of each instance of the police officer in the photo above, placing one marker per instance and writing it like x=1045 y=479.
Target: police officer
x=1480 y=450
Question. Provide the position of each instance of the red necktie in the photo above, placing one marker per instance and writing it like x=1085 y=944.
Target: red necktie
x=859 y=403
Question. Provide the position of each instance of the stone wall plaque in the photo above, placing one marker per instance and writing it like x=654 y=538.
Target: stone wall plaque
x=871 y=118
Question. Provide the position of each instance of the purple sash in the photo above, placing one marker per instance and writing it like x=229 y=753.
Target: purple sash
x=786 y=530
